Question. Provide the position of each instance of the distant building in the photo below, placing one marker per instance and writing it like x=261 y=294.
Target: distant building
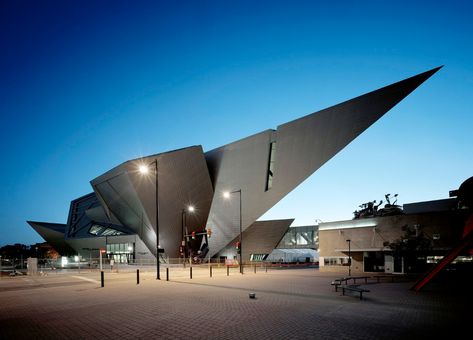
x=299 y=244
x=410 y=241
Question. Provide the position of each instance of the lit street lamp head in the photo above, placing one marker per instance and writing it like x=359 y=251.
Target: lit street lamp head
x=226 y=194
x=190 y=208
x=143 y=169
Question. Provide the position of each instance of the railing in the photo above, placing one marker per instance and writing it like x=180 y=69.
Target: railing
x=57 y=266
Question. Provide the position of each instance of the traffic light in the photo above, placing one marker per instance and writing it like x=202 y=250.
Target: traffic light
x=209 y=232
x=193 y=235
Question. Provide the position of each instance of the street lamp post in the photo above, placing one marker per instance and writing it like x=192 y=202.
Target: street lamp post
x=190 y=209
x=349 y=257
x=183 y=243
x=227 y=196
x=158 y=273
x=144 y=170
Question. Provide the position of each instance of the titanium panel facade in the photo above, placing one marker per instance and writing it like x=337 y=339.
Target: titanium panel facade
x=53 y=233
x=88 y=219
x=130 y=197
x=259 y=238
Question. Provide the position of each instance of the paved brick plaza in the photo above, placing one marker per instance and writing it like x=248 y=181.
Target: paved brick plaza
x=289 y=304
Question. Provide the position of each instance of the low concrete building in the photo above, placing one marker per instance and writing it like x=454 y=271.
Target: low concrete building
x=407 y=242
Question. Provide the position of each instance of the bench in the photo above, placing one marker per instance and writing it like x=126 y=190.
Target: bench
x=379 y=277
x=354 y=278
x=343 y=279
x=336 y=284
x=354 y=289
x=339 y=281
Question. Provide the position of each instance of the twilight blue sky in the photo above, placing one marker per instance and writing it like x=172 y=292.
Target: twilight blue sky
x=87 y=85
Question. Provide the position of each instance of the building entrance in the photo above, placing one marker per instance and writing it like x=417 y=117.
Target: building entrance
x=373 y=261
x=121 y=252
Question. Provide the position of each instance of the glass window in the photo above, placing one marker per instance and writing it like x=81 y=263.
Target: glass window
x=111 y=232
x=258 y=257
x=272 y=158
x=129 y=248
x=301 y=240
x=335 y=261
x=95 y=229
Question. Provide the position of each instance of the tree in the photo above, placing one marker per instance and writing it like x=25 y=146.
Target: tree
x=414 y=247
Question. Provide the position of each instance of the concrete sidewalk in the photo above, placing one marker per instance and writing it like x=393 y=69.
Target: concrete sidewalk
x=289 y=304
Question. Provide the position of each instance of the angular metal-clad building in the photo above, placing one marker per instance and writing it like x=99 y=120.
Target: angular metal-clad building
x=54 y=233
x=129 y=197
x=268 y=165
x=260 y=239
x=127 y=205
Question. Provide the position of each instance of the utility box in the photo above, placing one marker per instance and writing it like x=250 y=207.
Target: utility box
x=32 y=265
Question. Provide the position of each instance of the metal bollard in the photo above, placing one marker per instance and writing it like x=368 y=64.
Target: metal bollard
x=102 y=283
x=190 y=271
x=255 y=268
x=167 y=274
x=210 y=271
x=228 y=270
x=266 y=268
x=137 y=276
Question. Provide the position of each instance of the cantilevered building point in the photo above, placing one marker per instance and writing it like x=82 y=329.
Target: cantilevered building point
x=120 y=214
